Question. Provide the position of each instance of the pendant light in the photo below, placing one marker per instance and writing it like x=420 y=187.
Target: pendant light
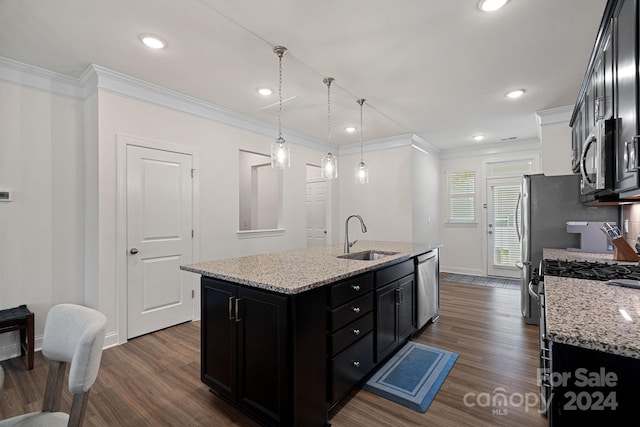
x=329 y=163
x=362 y=171
x=280 y=155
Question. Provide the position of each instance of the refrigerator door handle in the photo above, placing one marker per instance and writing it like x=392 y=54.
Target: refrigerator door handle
x=533 y=293
x=516 y=217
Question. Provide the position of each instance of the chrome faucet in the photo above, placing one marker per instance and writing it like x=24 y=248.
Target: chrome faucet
x=348 y=245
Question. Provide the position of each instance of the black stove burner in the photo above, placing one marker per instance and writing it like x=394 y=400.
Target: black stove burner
x=590 y=270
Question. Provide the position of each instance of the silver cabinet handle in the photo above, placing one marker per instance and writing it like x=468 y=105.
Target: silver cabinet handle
x=356 y=331
x=356 y=363
x=355 y=309
x=355 y=287
x=631 y=155
x=238 y=309
x=133 y=251
x=231 y=308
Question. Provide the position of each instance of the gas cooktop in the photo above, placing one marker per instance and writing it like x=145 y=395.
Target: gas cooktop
x=590 y=270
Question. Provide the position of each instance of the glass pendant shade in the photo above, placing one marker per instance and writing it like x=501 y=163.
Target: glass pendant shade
x=329 y=166
x=280 y=156
x=362 y=173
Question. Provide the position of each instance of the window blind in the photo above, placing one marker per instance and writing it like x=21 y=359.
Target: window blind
x=462 y=197
x=506 y=244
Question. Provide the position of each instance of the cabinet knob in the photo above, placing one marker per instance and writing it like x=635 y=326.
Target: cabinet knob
x=356 y=331
x=355 y=287
x=356 y=363
x=355 y=309
x=133 y=251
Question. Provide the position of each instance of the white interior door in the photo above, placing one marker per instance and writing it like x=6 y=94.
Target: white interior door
x=159 y=233
x=503 y=246
x=316 y=214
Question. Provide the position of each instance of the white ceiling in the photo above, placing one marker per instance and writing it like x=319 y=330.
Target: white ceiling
x=436 y=68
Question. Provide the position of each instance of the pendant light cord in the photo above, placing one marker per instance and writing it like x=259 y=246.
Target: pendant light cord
x=280 y=96
x=328 y=81
x=361 y=101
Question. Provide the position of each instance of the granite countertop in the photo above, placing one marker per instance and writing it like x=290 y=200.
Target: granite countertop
x=588 y=313
x=296 y=271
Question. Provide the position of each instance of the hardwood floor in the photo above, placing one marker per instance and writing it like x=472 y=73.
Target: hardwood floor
x=154 y=380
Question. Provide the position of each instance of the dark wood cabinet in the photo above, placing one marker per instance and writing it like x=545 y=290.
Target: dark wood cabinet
x=260 y=348
x=395 y=308
x=246 y=347
x=624 y=28
x=590 y=387
x=286 y=360
x=350 y=324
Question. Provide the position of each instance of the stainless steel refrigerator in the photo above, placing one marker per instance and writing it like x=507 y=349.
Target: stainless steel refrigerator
x=547 y=203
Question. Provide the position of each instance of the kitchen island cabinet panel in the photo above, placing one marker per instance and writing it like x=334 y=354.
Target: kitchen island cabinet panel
x=395 y=308
x=246 y=358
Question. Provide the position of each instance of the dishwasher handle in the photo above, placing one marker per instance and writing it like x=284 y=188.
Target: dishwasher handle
x=426 y=257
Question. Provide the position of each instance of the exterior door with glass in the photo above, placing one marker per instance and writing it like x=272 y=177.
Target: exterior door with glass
x=503 y=247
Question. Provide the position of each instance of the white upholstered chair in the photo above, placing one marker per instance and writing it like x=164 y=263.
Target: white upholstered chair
x=72 y=334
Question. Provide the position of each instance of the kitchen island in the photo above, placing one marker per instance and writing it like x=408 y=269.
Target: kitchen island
x=286 y=336
x=594 y=331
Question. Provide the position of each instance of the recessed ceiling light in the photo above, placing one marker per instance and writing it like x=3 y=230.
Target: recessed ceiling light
x=265 y=91
x=477 y=137
x=491 y=5
x=154 y=42
x=515 y=93
x=350 y=129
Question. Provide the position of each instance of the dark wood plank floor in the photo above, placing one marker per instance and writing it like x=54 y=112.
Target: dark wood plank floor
x=154 y=380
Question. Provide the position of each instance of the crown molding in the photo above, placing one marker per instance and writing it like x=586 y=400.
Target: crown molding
x=124 y=85
x=492 y=149
x=554 y=115
x=39 y=78
x=376 y=144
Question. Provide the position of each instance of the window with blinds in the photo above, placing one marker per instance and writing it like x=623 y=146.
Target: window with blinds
x=462 y=197
x=506 y=245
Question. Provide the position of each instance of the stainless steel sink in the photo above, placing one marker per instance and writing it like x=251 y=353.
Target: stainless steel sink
x=367 y=255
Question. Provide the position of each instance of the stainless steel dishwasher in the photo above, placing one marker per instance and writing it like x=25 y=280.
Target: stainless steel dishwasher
x=428 y=289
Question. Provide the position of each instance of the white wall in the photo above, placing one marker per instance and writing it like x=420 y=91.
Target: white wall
x=42 y=229
x=400 y=202
x=426 y=197
x=385 y=203
x=556 y=148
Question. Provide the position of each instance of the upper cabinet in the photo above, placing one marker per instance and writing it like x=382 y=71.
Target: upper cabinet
x=625 y=24
x=605 y=118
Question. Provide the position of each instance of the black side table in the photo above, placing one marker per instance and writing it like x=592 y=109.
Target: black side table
x=19 y=319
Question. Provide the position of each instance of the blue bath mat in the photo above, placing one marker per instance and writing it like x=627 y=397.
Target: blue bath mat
x=413 y=376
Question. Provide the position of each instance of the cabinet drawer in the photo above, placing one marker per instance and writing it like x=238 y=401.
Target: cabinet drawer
x=395 y=272
x=350 y=311
x=351 y=366
x=349 y=334
x=350 y=288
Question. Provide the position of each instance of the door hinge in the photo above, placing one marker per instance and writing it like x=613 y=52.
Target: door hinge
x=193 y=173
x=193 y=293
x=193 y=234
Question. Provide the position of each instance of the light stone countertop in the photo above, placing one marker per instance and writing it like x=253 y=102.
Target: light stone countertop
x=586 y=313
x=296 y=271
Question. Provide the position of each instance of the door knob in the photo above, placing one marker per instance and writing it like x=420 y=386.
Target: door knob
x=133 y=251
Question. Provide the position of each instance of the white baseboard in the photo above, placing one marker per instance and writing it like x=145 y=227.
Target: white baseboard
x=462 y=270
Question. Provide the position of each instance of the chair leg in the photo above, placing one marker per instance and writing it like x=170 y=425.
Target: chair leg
x=78 y=407
x=30 y=343
x=53 y=390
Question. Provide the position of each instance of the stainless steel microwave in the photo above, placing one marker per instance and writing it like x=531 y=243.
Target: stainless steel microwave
x=597 y=160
